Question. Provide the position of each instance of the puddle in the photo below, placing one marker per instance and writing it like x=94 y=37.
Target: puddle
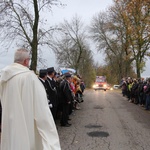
x=98 y=134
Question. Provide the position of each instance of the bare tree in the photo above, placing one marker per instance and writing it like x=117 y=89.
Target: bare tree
x=71 y=43
x=21 y=22
x=108 y=40
x=72 y=49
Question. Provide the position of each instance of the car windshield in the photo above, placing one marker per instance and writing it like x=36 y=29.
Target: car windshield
x=100 y=80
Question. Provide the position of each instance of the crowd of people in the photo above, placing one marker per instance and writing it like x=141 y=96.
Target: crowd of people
x=31 y=103
x=64 y=93
x=137 y=91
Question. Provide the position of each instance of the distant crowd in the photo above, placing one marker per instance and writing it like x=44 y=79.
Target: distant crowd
x=64 y=93
x=137 y=91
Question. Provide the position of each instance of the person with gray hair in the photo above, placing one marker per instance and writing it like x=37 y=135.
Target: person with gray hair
x=27 y=123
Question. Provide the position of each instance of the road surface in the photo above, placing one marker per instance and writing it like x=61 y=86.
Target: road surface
x=106 y=121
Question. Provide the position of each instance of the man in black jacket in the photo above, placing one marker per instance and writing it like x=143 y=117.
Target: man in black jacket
x=66 y=99
x=43 y=78
x=51 y=90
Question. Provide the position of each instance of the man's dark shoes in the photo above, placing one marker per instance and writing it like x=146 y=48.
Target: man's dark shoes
x=69 y=124
x=65 y=125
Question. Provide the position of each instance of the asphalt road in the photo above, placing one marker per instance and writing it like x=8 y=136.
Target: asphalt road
x=106 y=121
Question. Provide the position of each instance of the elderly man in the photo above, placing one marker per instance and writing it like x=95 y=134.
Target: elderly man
x=27 y=123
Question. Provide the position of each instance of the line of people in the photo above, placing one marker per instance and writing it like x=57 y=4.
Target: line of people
x=64 y=93
x=137 y=91
x=27 y=120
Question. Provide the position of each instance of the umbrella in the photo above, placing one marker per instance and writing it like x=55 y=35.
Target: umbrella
x=67 y=70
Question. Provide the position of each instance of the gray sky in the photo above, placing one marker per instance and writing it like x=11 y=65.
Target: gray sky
x=86 y=9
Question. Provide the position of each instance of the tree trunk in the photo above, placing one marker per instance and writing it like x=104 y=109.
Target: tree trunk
x=34 y=44
x=34 y=57
x=119 y=71
x=138 y=72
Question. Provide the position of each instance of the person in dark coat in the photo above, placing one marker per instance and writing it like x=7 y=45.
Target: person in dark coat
x=43 y=78
x=57 y=81
x=51 y=90
x=66 y=99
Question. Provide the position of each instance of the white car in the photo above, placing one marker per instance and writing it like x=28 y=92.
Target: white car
x=116 y=86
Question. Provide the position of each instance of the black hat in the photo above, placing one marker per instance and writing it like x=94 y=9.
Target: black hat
x=43 y=72
x=50 y=70
x=67 y=75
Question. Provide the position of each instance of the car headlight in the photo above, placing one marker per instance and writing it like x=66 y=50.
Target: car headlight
x=105 y=85
x=95 y=85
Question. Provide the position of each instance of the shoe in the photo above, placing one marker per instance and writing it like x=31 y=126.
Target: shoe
x=69 y=124
x=69 y=119
x=66 y=125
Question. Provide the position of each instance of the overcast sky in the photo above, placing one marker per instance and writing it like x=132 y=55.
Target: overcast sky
x=86 y=9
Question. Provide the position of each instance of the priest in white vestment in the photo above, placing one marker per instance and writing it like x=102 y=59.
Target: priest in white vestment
x=27 y=123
